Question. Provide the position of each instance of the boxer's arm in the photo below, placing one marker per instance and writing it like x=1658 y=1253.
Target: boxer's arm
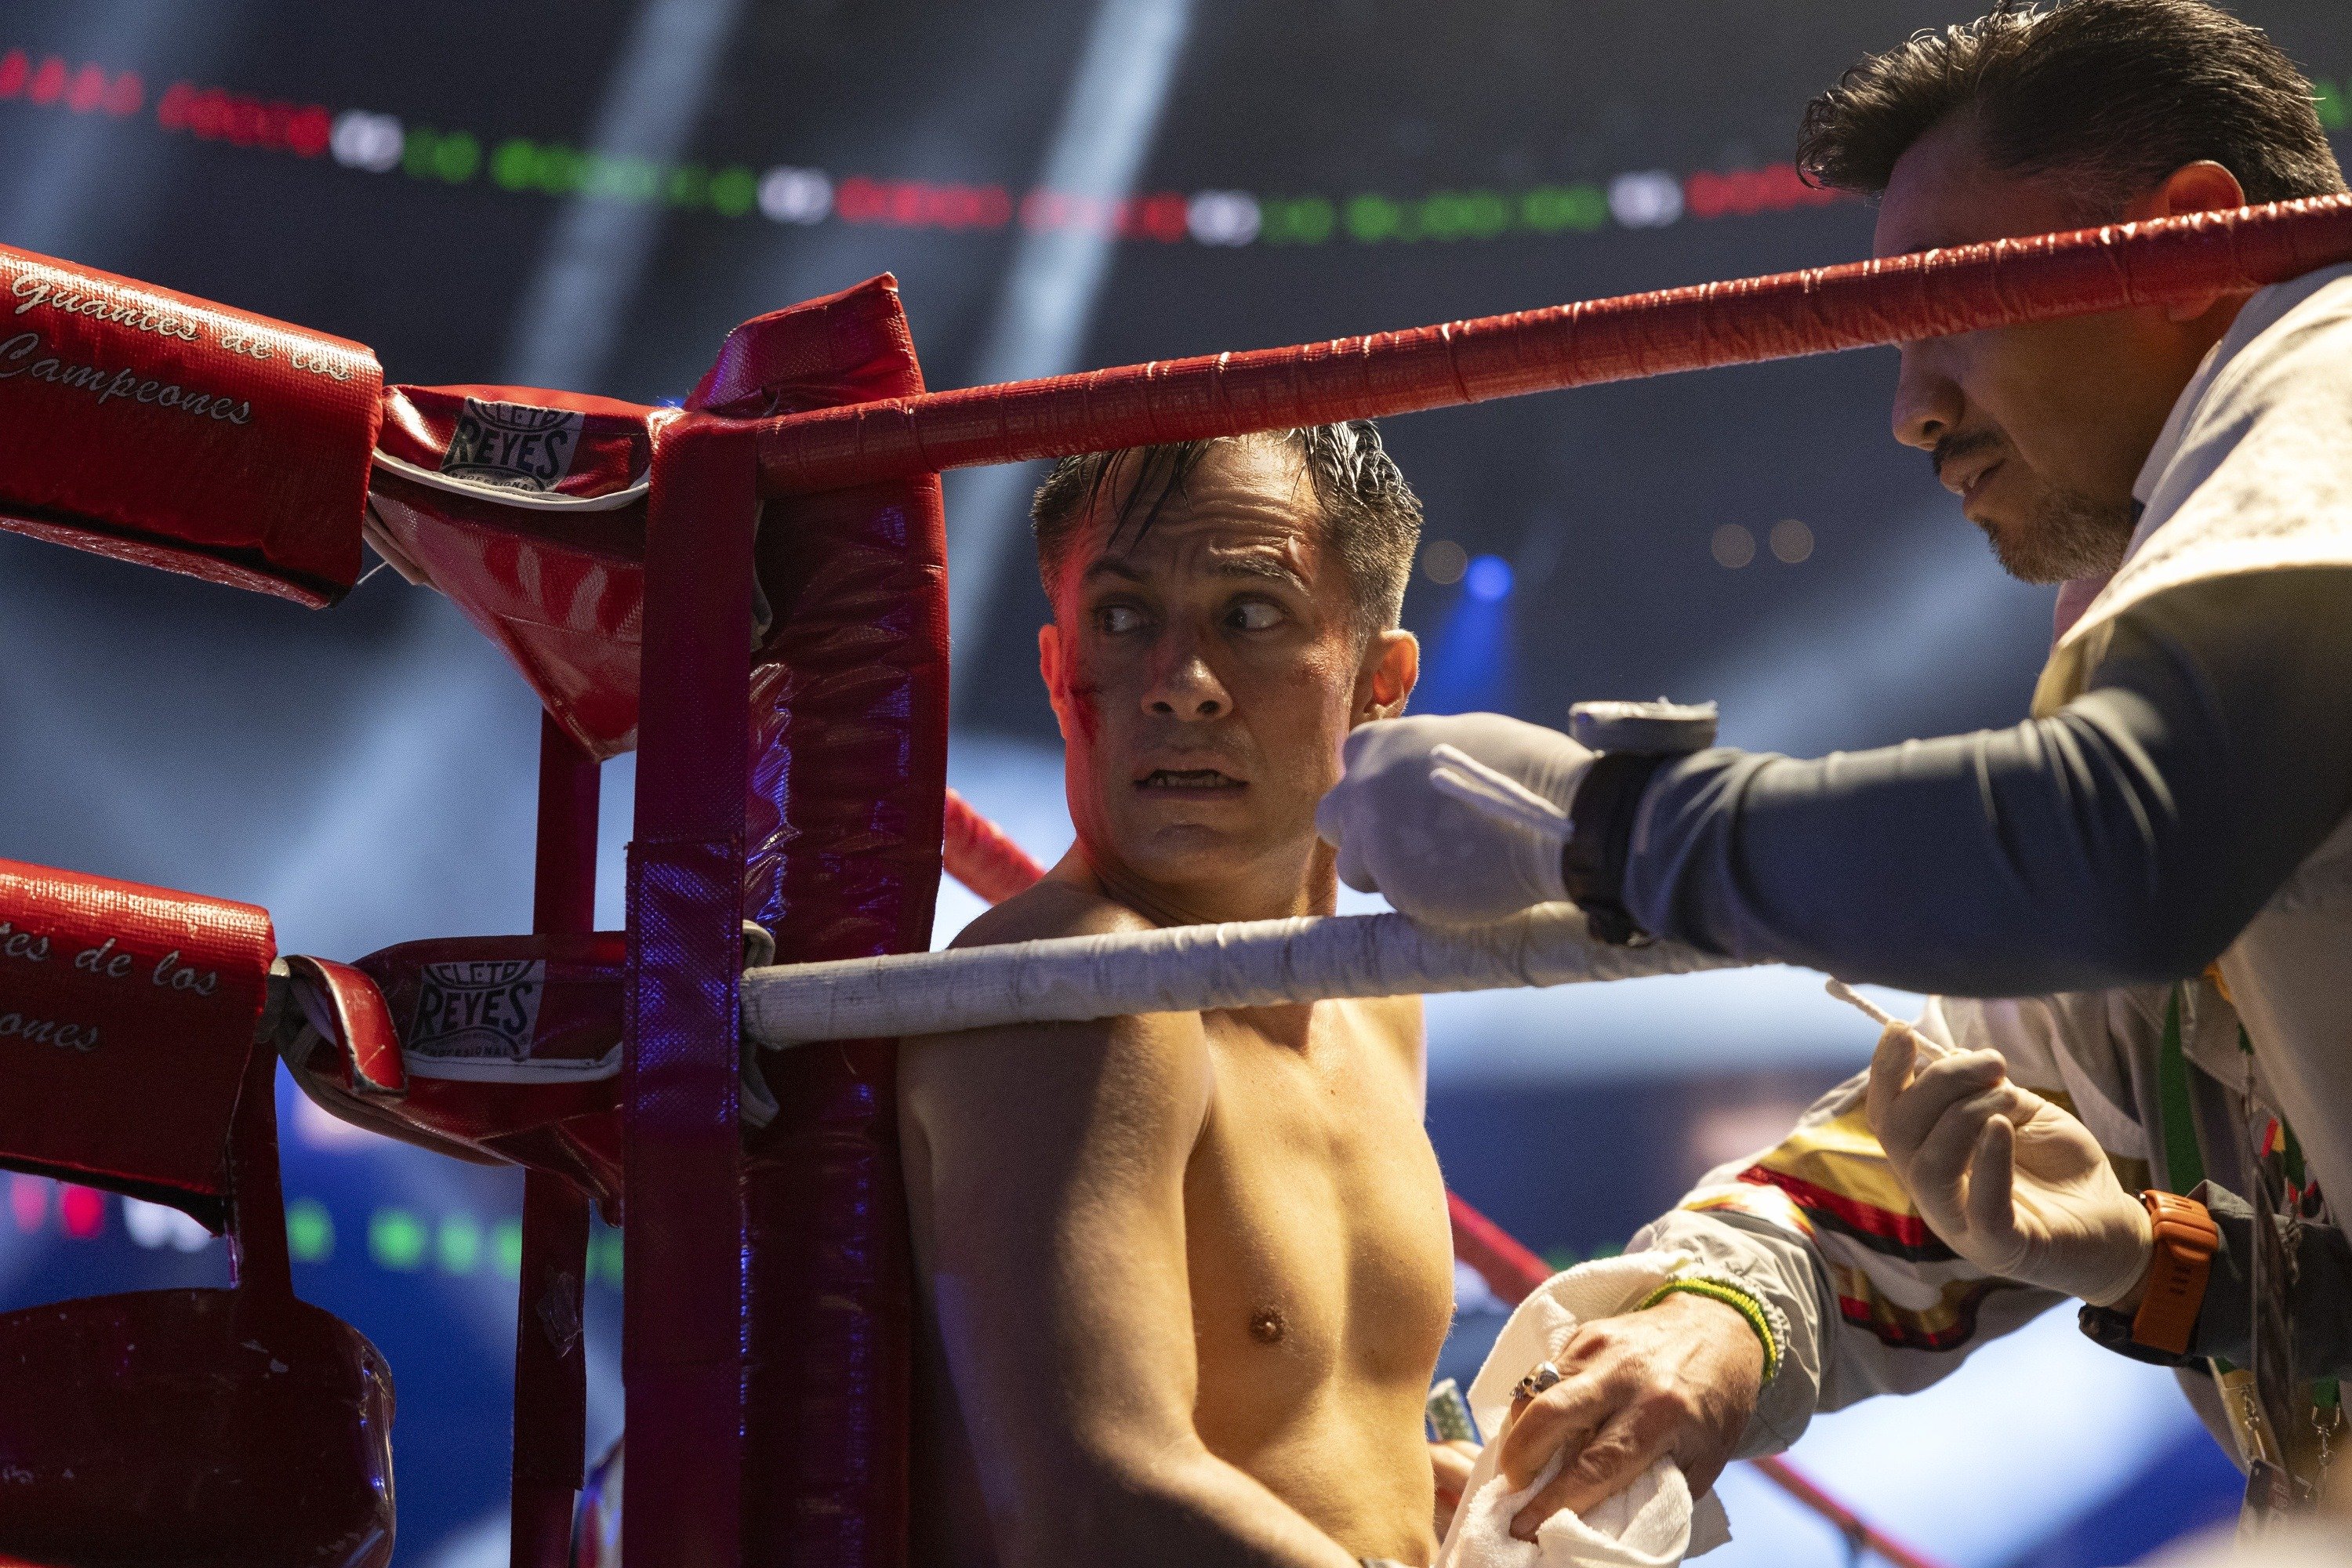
x=1053 y=1159
x=2127 y=838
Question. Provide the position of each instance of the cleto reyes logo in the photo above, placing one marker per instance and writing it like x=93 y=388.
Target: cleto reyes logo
x=486 y=1011
x=513 y=444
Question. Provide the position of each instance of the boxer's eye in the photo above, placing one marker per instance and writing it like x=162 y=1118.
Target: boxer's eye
x=1253 y=616
x=1117 y=620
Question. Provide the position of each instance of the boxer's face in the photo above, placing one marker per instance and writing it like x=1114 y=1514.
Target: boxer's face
x=2039 y=429
x=1204 y=674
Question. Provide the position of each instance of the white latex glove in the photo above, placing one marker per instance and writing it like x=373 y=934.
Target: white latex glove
x=2010 y=1182
x=1436 y=858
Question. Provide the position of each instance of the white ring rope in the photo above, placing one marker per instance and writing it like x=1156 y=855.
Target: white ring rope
x=1185 y=969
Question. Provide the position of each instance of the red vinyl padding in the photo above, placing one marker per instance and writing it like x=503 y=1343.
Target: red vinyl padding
x=562 y=593
x=533 y=1022
x=848 y=772
x=172 y=432
x=200 y=1428
x=126 y=1015
x=238 y=1428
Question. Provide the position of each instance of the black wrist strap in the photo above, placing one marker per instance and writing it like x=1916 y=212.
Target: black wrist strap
x=1600 y=836
x=2105 y=1326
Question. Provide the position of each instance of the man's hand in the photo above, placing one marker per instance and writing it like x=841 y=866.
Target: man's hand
x=2011 y=1181
x=1678 y=1381
x=1437 y=858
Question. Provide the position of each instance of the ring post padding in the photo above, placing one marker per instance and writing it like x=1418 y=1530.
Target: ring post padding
x=682 y=1283
x=848 y=775
x=168 y=431
x=1934 y=293
x=1187 y=969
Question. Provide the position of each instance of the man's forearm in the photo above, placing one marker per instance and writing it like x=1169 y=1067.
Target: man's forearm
x=1776 y=1267
x=2127 y=838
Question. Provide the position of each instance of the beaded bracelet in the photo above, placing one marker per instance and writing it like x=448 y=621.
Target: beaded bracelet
x=1731 y=1296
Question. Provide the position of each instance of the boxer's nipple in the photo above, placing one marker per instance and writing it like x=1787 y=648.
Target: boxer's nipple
x=1267 y=1326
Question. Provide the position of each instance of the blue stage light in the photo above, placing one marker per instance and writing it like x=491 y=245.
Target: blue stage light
x=1469 y=665
x=1488 y=579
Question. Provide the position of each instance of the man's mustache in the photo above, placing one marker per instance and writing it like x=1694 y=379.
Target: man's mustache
x=1963 y=444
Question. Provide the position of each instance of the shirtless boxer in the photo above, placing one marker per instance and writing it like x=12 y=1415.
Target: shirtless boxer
x=1184 y=1276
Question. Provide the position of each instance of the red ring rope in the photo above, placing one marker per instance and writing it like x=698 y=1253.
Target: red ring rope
x=1896 y=300
x=982 y=857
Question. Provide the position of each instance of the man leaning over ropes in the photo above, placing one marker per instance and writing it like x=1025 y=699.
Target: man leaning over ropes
x=2172 y=827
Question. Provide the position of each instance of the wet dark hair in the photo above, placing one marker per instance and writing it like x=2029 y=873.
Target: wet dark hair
x=2115 y=94
x=1370 y=516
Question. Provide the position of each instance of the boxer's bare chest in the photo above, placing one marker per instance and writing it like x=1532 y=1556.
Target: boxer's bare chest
x=1320 y=1261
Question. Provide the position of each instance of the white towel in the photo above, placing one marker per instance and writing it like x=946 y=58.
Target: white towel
x=1653 y=1524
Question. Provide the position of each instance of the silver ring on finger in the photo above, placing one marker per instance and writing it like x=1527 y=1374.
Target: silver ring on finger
x=1544 y=1376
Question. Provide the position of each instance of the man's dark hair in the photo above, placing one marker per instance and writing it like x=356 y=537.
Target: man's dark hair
x=1370 y=516
x=2113 y=95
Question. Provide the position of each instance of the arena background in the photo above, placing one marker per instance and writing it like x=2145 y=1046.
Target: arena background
x=589 y=194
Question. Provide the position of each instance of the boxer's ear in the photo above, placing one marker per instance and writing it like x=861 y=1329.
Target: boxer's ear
x=1049 y=670
x=1391 y=668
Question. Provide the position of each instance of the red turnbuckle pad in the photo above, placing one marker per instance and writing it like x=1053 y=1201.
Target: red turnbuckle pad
x=501 y=1049
x=126 y=1015
x=528 y=508
x=173 y=432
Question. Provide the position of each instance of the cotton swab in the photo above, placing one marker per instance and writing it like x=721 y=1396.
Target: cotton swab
x=1928 y=1049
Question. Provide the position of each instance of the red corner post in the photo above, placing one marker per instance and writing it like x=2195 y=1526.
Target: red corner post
x=849 y=717
x=682 y=1248
x=551 y=1408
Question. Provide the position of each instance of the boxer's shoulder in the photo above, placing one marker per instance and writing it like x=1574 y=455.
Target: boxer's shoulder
x=1160 y=1063
x=1051 y=907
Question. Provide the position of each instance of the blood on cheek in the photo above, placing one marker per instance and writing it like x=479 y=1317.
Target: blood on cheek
x=1082 y=700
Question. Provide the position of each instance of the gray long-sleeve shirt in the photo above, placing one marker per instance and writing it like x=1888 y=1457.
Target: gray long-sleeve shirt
x=2126 y=838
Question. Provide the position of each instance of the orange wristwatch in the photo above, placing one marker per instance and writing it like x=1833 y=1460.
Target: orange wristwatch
x=2185 y=1240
